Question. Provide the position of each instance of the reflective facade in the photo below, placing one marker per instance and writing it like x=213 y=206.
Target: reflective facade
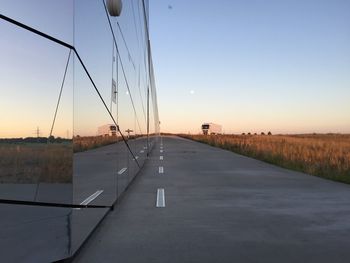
x=77 y=120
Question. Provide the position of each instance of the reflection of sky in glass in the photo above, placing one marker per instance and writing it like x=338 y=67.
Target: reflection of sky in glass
x=97 y=53
x=31 y=69
x=31 y=98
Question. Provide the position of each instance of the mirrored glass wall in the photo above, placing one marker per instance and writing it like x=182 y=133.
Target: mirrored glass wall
x=78 y=117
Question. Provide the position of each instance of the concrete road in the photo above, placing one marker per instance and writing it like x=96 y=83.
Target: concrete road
x=223 y=207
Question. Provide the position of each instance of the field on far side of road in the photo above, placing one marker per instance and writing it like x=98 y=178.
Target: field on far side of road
x=324 y=155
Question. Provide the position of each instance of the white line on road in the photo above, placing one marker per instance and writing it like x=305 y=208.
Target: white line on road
x=136 y=157
x=160 y=198
x=161 y=169
x=161 y=151
x=161 y=157
x=91 y=197
x=142 y=151
x=122 y=170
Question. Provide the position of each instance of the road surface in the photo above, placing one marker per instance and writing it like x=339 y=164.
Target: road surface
x=223 y=207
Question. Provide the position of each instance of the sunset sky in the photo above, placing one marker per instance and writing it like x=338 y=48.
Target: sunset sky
x=251 y=66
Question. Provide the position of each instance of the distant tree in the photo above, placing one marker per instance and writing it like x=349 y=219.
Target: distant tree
x=262 y=133
x=255 y=133
x=249 y=133
x=243 y=133
x=269 y=133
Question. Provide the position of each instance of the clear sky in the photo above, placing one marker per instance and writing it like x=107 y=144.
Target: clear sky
x=252 y=65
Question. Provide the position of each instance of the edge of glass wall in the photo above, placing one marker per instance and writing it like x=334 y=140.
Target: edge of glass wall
x=91 y=120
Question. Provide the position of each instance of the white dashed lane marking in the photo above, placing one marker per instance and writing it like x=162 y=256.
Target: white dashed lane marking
x=122 y=170
x=160 y=198
x=91 y=197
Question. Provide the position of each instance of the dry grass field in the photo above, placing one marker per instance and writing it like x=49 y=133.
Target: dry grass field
x=36 y=162
x=324 y=155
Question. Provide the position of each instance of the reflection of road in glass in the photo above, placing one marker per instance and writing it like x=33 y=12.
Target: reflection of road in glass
x=100 y=176
x=108 y=168
x=25 y=230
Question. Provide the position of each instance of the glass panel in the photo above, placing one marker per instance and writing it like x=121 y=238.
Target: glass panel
x=126 y=120
x=34 y=233
x=36 y=128
x=54 y=18
x=36 y=118
x=95 y=136
x=96 y=140
x=58 y=142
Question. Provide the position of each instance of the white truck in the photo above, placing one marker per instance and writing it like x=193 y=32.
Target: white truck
x=107 y=130
x=211 y=128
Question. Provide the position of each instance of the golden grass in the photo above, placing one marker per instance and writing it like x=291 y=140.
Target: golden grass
x=36 y=163
x=324 y=155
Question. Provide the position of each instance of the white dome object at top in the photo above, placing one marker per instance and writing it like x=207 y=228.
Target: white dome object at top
x=114 y=7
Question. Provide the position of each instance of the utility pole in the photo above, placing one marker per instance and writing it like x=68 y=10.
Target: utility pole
x=37 y=133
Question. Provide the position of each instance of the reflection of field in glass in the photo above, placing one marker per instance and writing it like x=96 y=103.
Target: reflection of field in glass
x=324 y=155
x=36 y=162
x=84 y=143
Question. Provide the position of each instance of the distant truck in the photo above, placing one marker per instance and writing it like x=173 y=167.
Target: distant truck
x=211 y=128
x=107 y=130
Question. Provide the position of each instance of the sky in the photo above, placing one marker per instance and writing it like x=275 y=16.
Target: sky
x=32 y=69
x=252 y=66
